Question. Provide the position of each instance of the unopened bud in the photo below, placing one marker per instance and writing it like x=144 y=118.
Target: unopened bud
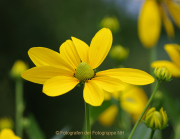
x=156 y=119
x=119 y=53
x=18 y=67
x=162 y=74
x=111 y=23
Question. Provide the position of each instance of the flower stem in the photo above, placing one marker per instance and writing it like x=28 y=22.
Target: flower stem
x=88 y=126
x=152 y=133
x=19 y=107
x=152 y=58
x=147 y=105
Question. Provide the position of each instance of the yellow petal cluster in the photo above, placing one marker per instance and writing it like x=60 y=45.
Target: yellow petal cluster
x=8 y=134
x=156 y=119
x=153 y=12
x=173 y=51
x=76 y=63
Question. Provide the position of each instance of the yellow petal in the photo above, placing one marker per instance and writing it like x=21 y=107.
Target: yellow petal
x=133 y=100
x=92 y=94
x=82 y=49
x=149 y=23
x=42 y=73
x=46 y=57
x=169 y=65
x=174 y=9
x=167 y=24
x=99 y=47
x=128 y=75
x=109 y=84
x=107 y=117
x=59 y=85
x=69 y=53
x=8 y=134
x=174 y=53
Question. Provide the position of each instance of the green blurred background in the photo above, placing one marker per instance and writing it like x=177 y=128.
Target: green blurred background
x=48 y=23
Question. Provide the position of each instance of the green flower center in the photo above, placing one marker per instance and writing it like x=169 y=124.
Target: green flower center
x=84 y=72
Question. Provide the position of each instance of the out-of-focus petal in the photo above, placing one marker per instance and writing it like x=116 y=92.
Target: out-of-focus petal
x=92 y=94
x=169 y=65
x=42 y=73
x=59 y=85
x=149 y=23
x=82 y=49
x=167 y=24
x=174 y=9
x=99 y=47
x=128 y=75
x=70 y=54
x=107 y=117
x=133 y=100
x=174 y=53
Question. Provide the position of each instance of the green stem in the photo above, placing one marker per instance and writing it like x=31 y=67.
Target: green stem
x=147 y=105
x=19 y=107
x=152 y=133
x=88 y=126
x=152 y=58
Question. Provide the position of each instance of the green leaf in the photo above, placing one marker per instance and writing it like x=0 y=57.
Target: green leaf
x=32 y=128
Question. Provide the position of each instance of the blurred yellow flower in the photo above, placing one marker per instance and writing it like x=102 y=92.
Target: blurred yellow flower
x=110 y=22
x=76 y=63
x=18 y=67
x=6 y=123
x=132 y=100
x=173 y=51
x=8 y=134
x=150 y=17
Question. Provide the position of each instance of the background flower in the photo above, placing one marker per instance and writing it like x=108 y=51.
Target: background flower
x=154 y=12
x=173 y=51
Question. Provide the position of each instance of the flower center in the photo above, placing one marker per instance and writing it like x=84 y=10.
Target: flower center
x=84 y=72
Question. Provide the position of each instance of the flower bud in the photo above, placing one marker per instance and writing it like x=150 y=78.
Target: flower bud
x=119 y=53
x=111 y=23
x=162 y=74
x=156 y=119
x=18 y=67
x=6 y=122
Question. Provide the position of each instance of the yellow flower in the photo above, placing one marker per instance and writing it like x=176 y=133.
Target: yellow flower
x=76 y=63
x=110 y=22
x=132 y=100
x=6 y=123
x=173 y=51
x=8 y=134
x=154 y=12
x=156 y=119
x=18 y=67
